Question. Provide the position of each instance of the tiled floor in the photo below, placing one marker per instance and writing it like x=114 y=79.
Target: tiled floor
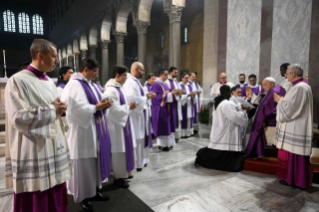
x=171 y=183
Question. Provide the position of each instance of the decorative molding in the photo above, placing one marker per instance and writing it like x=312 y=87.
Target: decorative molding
x=105 y=44
x=92 y=48
x=70 y=58
x=141 y=26
x=120 y=36
x=174 y=13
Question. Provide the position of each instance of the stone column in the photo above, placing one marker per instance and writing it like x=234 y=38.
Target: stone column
x=77 y=62
x=65 y=61
x=83 y=54
x=70 y=61
x=174 y=13
x=120 y=47
x=92 y=50
x=141 y=27
x=105 y=61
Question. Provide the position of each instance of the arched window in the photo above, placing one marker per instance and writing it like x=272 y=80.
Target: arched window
x=185 y=35
x=24 y=23
x=9 y=21
x=37 y=23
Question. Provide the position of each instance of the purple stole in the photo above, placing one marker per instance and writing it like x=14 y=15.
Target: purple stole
x=184 y=109
x=98 y=85
x=173 y=109
x=256 y=91
x=62 y=86
x=149 y=87
x=102 y=131
x=148 y=139
x=127 y=136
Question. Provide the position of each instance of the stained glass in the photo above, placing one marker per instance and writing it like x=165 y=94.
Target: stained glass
x=37 y=23
x=9 y=21
x=24 y=23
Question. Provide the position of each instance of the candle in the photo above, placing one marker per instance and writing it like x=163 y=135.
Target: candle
x=74 y=62
x=4 y=56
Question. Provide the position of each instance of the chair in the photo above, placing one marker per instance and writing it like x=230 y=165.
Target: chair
x=314 y=163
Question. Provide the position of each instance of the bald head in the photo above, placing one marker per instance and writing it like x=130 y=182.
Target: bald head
x=137 y=70
x=223 y=77
x=268 y=83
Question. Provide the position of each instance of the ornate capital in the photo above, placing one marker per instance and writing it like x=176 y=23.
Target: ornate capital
x=77 y=55
x=141 y=26
x=105 y=44
x=70 y=58
x=92 y=47
x=83 y=53
x=120 y=36
x=174 y=13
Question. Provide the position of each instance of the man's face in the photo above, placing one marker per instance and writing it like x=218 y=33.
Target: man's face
x=241 y=79
x=185 y=79
x=193 y=77
x=267 y=85
x=237 y=92
x=283 y=71
x=174 y=73
x=164 y=76
x=290 y=76
x=152 y=80
x=66 y=77
x=121 y=78
x=92 y=74
x=49 y=60
x=140 y=71
x=223 y=78
x=252 y=81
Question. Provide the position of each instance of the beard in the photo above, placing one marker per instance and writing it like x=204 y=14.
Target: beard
x=242 y=82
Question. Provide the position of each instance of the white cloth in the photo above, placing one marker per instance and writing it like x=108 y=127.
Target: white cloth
x=241 y=84
x=214 y=91
x=59 y=89
x=286 y=84
x=149 y=102
x=34 y=136
x=226 y=133
x=119 y=165
x=295 y=120
x=197 y=95
x=117 y=117
x=186 y=100
x=238 y=107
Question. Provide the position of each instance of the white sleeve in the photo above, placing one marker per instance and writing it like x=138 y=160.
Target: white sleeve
x=213 y=92
x=255 y=99
x=131 y=91
x=238 y=117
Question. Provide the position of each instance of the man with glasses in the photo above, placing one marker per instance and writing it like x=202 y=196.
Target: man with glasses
x=214 y=91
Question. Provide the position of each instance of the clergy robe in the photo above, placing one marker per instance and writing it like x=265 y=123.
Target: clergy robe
x=121 y=130
x=196 y=87
x=238 y=107
x=60 y=87
x=224 y=150
x=176 y=109
x=148 y=88
x=214 y=91
x=294 y=134
x=88 y=138
x=256 y=89
x=34 y=139
x=134 y=92
x=186 y=124
x=265 y=118
x=241 y=85
x=161 y=105
x=286 y=84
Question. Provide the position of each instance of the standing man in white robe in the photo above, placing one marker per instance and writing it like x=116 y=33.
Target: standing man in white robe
x=151 y=78
x=283 y=72
x=198 y=90
x=84 y=139
x=36 y=152
x=134 y=92
x=121 y=128
x=294 y=130
x=214 y=91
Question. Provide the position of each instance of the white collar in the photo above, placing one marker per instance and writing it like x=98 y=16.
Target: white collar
x=78 y=76
x=256 y=86
x=159 y=80
x=113 y=82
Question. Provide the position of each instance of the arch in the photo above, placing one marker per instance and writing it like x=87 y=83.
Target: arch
x=93 y=36
x=83 y=42
x=37 y=23
x=122 y=16
x=24 y=23
x=64 y=55
x=9 y=21
x=144 y=10
x=106 y=28
x=69 y=49
x=76 y=46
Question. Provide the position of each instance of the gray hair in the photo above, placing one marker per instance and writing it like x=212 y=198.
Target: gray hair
x=40 y=45
x=296 y=68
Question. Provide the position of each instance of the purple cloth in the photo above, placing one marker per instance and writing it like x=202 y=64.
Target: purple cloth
x=51 y=200
x=149 y=87
x=61 y=86
x=160 y=110
x=41 y=75
x=255 y=90
x=299 y=80
x=184 y=110
x=129 y=149
x=194 y=108
x=297 y=170
x=265 y=114
x=102 y=130
x=173 y=108
x=238 y=85
x=98 y=86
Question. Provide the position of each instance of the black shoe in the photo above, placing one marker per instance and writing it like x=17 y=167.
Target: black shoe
x=171 y=147
x=176 y=140
x=122 y=183
x=165 y=149
x=87 y=205
x=282 y=182
x=145 y=165
x=130 y=177
x=160 y=147
x=139 y=169
x=195 y=131
x=99 y=197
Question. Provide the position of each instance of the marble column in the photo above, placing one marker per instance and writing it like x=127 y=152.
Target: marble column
x=105 y=61
x=70 y=61
x=141 y=27
x=65 y=61
x=77 y=62
x=92 y=50
x=174 y=13
x=83 y=54
x=120 y=36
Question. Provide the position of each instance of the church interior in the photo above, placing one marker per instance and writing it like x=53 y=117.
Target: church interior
x=207 y=37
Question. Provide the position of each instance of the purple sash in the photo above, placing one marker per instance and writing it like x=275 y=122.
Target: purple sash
x=149 y=87
x=98 y=86
x=102 y=131
x=172 y=88
x=184 y=109
x=127 y=136
x=62 y=86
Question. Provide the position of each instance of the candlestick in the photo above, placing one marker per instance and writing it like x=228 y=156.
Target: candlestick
x=4 y=64
x=74 y=63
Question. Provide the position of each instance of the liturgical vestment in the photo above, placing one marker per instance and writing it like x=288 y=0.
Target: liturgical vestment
x=186 y=125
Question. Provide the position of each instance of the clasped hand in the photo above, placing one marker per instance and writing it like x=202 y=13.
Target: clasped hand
x=60 y=107
x=104 y=104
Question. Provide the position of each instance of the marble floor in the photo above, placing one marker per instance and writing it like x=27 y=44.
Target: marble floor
x=171 y=183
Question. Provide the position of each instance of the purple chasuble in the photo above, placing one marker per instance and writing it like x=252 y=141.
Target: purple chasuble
x=129 y=150
x=173 y=108
x=160 y=110
x=256 y=91
x=184 y=109
x=102 y=130
x=264 y=115
x=148 y=138
x=61 y=86
x=41 y=75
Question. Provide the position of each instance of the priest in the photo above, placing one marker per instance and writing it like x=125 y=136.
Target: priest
x=134 y=92
x=176 y=109
x=161 y=105
x=264 y=124
x=214 y=91
x=294 y=130
x=151 y=78
x=224 y=152
x=64 y=76
x=252 y=79
x=283 y=72
x=242 y=79
x=196 y=104
x=88 y=138
x=121 y=128
x=35 y=136
x=187 y=99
